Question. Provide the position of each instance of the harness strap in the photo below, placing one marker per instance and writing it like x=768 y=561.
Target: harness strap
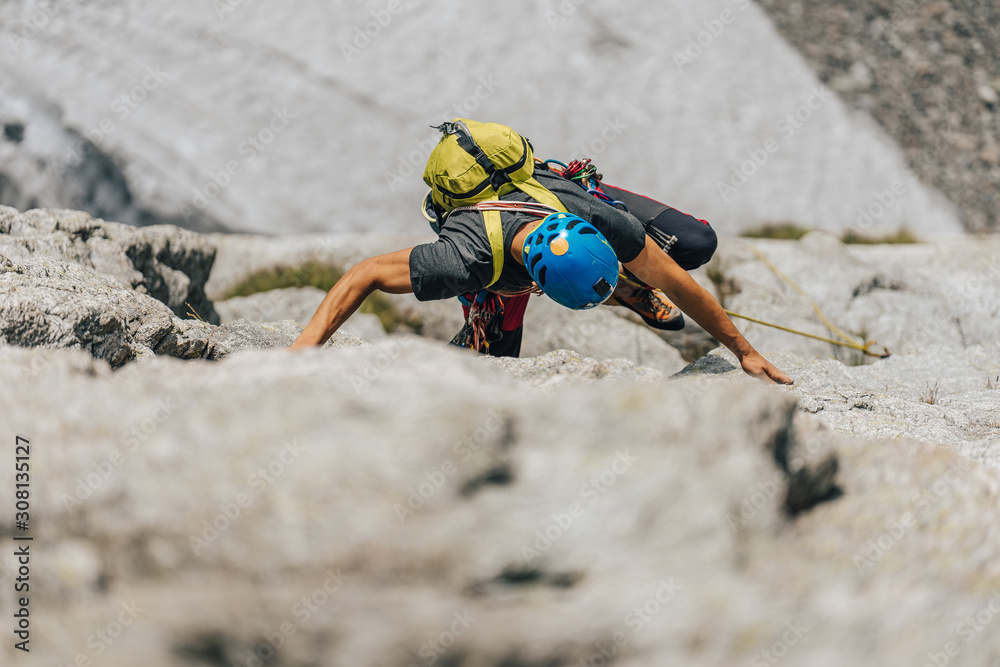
x=540 y=193
x=490 y=210
x=494 y=232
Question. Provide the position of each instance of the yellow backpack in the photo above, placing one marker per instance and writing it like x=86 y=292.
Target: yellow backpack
x=476 y=162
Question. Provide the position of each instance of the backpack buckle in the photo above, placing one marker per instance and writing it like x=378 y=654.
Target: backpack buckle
x=499 y=178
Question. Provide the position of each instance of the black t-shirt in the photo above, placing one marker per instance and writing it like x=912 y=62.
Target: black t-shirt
x=461 y=260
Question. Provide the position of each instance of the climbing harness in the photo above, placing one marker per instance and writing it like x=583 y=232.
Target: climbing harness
x=482 y=326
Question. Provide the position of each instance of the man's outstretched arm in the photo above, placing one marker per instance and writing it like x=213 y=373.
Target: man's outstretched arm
x=387 y=273
x=656 y=268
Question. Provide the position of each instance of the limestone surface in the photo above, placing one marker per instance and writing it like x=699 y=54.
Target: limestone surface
x=323 y=122
x=202 y=496
x=168 y=263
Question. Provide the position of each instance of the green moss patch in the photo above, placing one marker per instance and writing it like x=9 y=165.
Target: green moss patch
x=324 y=277
x=899 y=236
x=786 y=231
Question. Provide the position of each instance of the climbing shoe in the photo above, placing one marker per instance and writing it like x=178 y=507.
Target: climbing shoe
x=651 y=305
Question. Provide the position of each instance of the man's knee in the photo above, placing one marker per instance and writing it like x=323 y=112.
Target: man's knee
x=704 y=243
x=696 y=241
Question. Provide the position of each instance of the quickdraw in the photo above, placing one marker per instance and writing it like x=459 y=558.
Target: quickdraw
x=482 y=326
x=584 y=173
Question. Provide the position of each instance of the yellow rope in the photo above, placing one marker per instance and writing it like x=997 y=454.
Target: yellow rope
x=855 y=346
x=845 y=341
x=788 y=281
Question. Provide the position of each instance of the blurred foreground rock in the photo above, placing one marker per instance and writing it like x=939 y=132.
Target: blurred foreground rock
x=429 y=509
x=398 y=501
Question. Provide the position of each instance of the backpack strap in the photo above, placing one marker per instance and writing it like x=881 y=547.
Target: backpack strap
x=494 y=232
x=494 y=177
x=540 y=193
x=490 y=210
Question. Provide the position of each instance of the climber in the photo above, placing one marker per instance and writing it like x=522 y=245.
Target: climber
x=572 y=237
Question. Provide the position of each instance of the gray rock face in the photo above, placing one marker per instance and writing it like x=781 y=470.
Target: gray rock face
x=52 y=162
x=46 y=302
x=407 y=502
x=52 y=303
x=241 y=255
x=562 y=366
x=431 y=508
x=245 y=335
x=168 y=263
x=293 y=303
x=321 y=127
x=297 y=304
x=928 y=72
x=908 y=297
x=940 y=395
x=597 y=333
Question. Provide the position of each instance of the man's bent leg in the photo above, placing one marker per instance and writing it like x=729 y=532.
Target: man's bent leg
x=689 y=241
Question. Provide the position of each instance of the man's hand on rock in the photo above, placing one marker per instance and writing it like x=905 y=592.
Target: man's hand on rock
x=762 y=369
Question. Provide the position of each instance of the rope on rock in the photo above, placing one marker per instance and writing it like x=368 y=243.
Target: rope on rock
x=865 y=347
x=846 y=340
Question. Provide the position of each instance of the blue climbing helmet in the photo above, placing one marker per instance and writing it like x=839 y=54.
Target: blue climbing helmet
x=571 y=261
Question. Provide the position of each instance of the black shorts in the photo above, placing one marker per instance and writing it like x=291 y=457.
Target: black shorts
x=689 y=241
